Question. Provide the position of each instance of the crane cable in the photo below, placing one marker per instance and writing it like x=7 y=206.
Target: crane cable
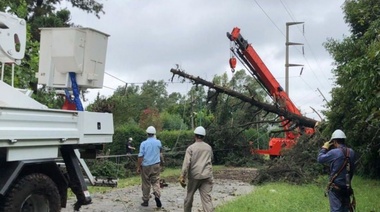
x=180 y=128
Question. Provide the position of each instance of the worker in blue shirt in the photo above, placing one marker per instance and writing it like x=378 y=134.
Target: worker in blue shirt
x=148 y=164
x=341 y=171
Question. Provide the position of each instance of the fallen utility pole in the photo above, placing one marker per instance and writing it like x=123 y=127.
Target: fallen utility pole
x=296 y=119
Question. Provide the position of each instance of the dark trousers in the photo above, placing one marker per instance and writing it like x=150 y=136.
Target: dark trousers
x=339 y=199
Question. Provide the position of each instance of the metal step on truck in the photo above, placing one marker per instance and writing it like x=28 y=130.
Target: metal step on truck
x=35 y=139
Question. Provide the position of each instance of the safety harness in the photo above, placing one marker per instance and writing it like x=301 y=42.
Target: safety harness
x=350 y=192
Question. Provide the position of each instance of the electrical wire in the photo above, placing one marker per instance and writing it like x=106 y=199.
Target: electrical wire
x=109 y=88
x=288 y=10
x=308 y=44
x=115 y=77
x=132 y=83
x=180 y=128
x=270 y=18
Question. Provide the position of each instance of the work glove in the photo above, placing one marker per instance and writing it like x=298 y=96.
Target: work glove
x=327 y=145
x=181 y=181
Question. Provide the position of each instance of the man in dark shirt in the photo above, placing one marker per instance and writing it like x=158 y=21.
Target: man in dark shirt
x=339 y=189
x=129 y=147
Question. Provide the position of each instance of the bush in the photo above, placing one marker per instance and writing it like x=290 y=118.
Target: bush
x=120 y=138
x=104 y=168
x=177 y=140
x=297 y=165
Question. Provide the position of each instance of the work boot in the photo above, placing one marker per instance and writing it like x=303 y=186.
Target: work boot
x=158 y=201
x=145 y=204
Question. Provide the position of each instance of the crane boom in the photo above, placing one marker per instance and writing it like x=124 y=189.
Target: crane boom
x=248 y=56
x=261 y=72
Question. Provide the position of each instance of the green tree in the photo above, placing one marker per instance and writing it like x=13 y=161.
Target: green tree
x=356 y=98
x=101 y=104
x=129 y=102
x=172 y=121
x=154 y=94
x=150 y=117
x=232 y=120
x=120 y=138
x=175 y=103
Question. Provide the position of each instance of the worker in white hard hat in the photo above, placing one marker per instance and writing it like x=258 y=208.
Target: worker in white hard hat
x=148 y=164
x=197 y=168
x=129 y=147
x=341 y=160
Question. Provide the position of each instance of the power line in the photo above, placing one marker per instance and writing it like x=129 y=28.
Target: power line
x=136 y=83
x=270 y=18
x=109 y=87
x=291 y=16
x=288 y=10
x=115 y=77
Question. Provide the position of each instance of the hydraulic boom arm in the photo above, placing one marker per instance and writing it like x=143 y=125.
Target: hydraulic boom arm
x=245 y=52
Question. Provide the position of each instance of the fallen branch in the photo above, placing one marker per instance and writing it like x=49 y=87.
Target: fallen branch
x=296 y=119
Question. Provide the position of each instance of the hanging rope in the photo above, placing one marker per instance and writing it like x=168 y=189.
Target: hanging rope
x=180 y=128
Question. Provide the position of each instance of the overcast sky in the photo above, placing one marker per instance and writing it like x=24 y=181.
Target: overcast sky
x=148 y=37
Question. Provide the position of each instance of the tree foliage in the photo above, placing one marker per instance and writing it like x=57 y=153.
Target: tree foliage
x=231 y=124
x=356 y=98
x=297 y=165
x=172 y=121
x=120 y=138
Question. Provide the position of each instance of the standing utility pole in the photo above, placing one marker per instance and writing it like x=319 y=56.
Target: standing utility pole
x=287 y=44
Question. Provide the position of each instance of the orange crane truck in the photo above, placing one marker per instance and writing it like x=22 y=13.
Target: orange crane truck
x=256 y=67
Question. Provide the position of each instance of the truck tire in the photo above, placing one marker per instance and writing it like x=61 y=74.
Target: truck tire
x=33 y=193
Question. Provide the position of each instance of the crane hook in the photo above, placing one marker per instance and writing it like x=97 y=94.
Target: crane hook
x=232 y=64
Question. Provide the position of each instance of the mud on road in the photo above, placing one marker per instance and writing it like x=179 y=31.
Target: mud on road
x=228 y=184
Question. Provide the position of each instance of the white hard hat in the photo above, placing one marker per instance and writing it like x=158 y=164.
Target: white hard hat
x=200 y=131
x=151 y=130
x=338 y=134
x=131 y=139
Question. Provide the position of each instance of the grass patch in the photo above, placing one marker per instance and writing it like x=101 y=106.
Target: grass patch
x=279 y=197
x=367 y=193
x=286 y=197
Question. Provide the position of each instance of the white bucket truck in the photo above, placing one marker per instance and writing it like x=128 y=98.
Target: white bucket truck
x=34 y=138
